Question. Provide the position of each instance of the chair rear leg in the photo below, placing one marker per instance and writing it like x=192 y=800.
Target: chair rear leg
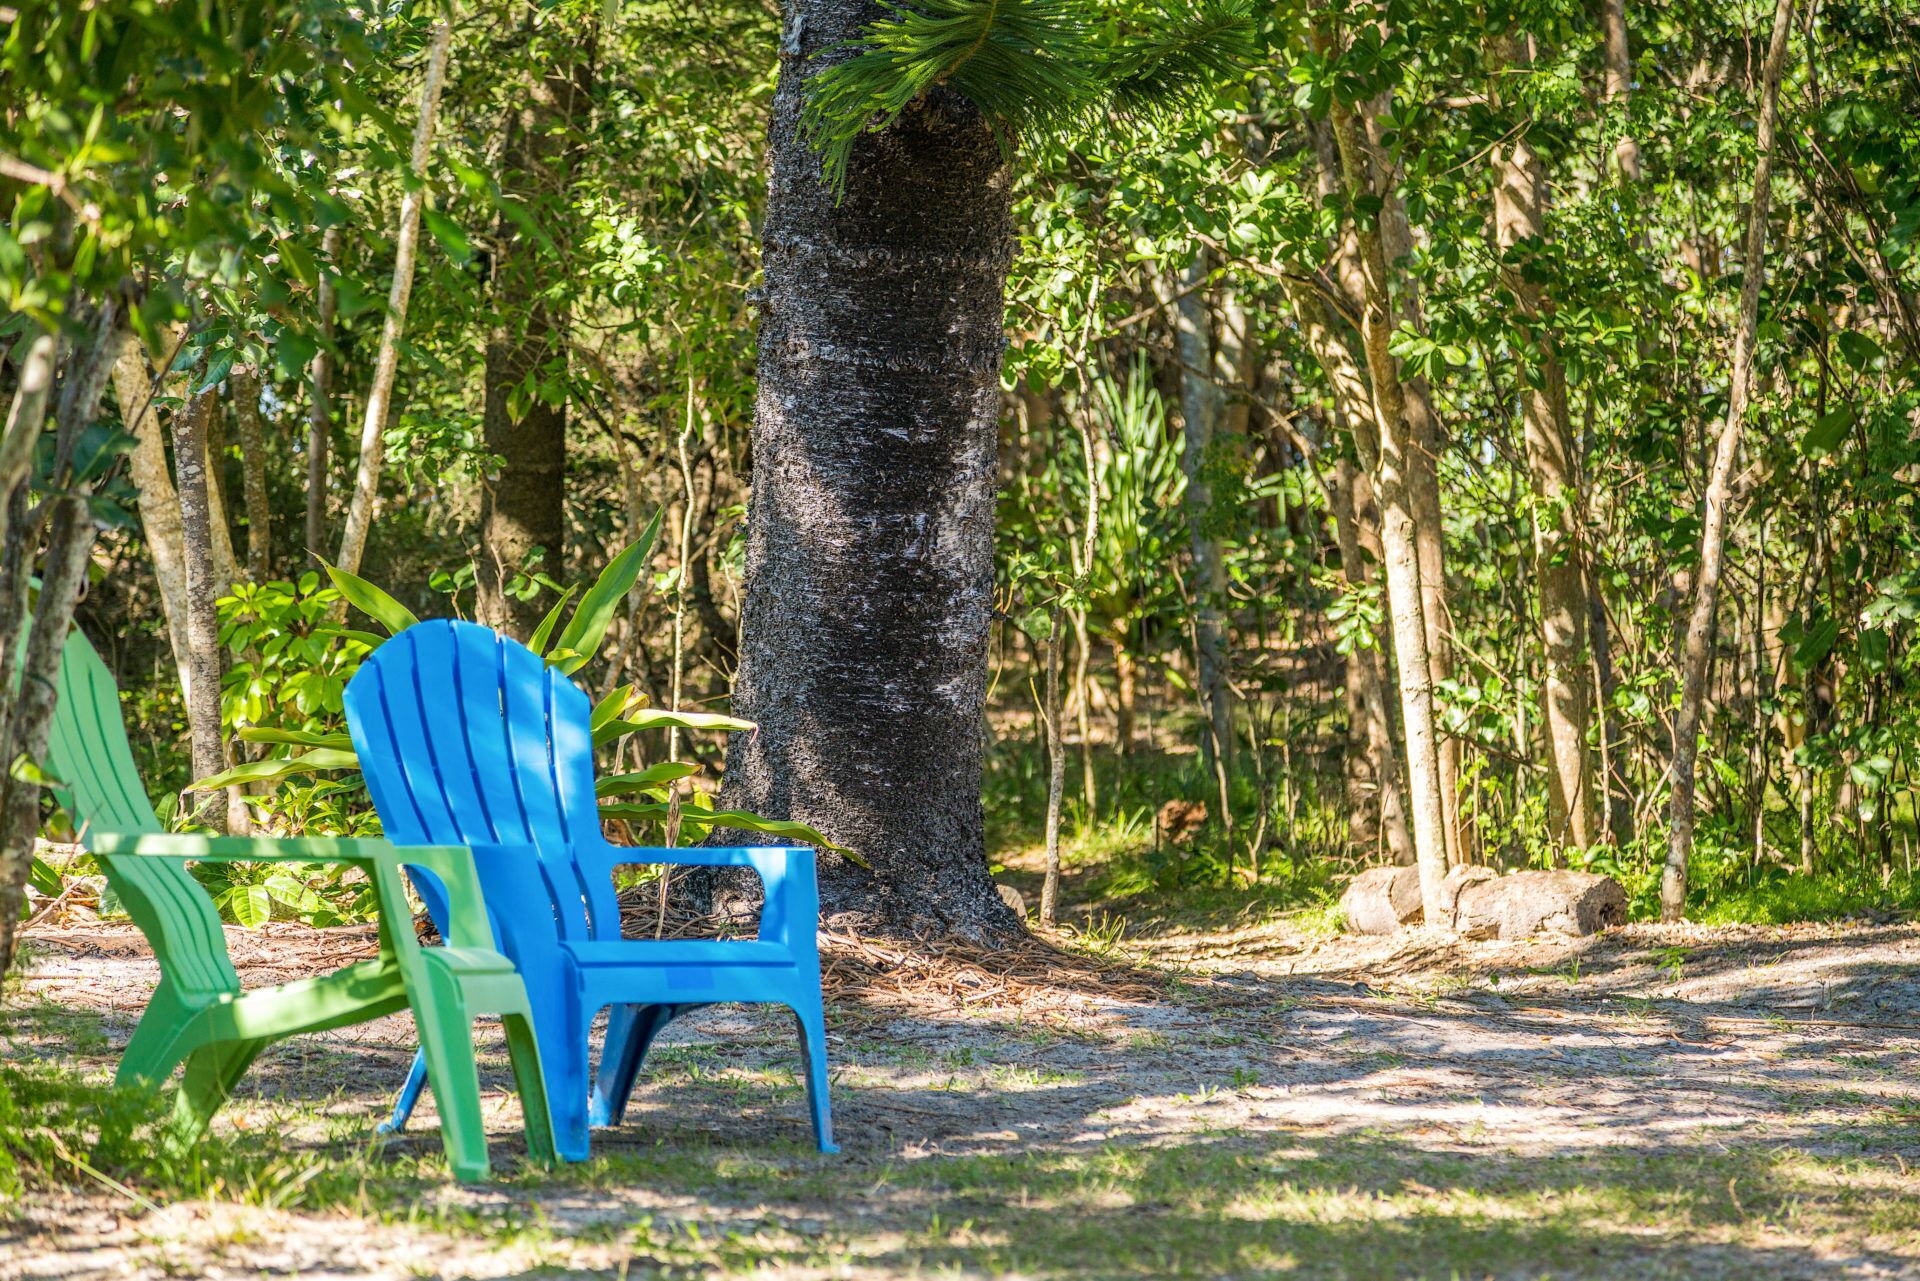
x=630 y=1033
x=409 y=1096
x=212 y=1072
x=536 y=1110
x=813 y=1049
x=159 y=1042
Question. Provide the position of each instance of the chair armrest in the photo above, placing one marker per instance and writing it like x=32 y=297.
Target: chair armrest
x=196 y=848
x=382 y=860
x=792 y=905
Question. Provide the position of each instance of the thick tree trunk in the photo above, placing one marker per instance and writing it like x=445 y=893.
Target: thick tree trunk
x=1559 y=504
x=523 y=502
x=203 y=621
x=245 y=386
x=320 y=408
x=406 y=249
x=869 y=564
x=1706 y=589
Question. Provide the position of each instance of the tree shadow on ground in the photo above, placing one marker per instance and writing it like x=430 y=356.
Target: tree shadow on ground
x=1241 y=1124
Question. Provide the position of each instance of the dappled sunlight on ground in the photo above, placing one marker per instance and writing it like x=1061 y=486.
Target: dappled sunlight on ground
x=1246 y=1102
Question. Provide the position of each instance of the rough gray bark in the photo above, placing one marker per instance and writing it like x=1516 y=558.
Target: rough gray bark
x=203 y=620
x=1697 y=647
x=523 y=502
x=134 y=387
x=869 y=566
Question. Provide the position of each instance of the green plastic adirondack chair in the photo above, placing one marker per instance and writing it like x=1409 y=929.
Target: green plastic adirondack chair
x=200 y=1016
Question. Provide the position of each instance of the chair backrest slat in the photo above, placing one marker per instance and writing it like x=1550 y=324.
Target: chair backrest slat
x=466 y=737
x=101 y=791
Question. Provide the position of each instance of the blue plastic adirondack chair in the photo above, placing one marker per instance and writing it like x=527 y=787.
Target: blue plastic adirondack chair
x=468 y=737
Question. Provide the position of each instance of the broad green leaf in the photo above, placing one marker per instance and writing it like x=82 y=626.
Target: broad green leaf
x=615 y=705
x=43 y=877
x=251 y=905
x=1816 y=644
x=295 y=893
x=26 y=771
x=448 y=233
x=661 y=718
x=594 y=614
x=372 y=640
x=296 y=737
x=371 y=601
x=653 y=776
x=299 y=261
x=1827 y=432
x=542 y=633
x=320 y=758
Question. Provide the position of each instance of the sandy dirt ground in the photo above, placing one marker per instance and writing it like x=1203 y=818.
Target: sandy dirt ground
x=1380 y=1084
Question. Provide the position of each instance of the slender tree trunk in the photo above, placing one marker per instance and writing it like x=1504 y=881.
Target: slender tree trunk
x=208 y=750
x=1398 y=528
x=1354 y=403
x=1706 y=591
x=245 y=386
x=1394 y=236
x=1202 y=411
x=1056 y=771
x=1125 y=695
x=523 y=501
x=869 y=562
x=1368 y=670
x=1613 y=23
x=320 y=411
x=134 y=387
x=1423 y=483
x=26 y=718
x=226 y=565
x=406 y=248
x=1083 y=711
x=1559 y=503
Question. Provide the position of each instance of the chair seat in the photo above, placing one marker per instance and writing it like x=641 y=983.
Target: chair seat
x=721 y=954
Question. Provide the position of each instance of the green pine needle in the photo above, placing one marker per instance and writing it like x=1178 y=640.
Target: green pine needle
x=1035 y=68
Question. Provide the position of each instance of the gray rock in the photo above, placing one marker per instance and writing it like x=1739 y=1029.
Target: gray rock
x=1382 y=899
